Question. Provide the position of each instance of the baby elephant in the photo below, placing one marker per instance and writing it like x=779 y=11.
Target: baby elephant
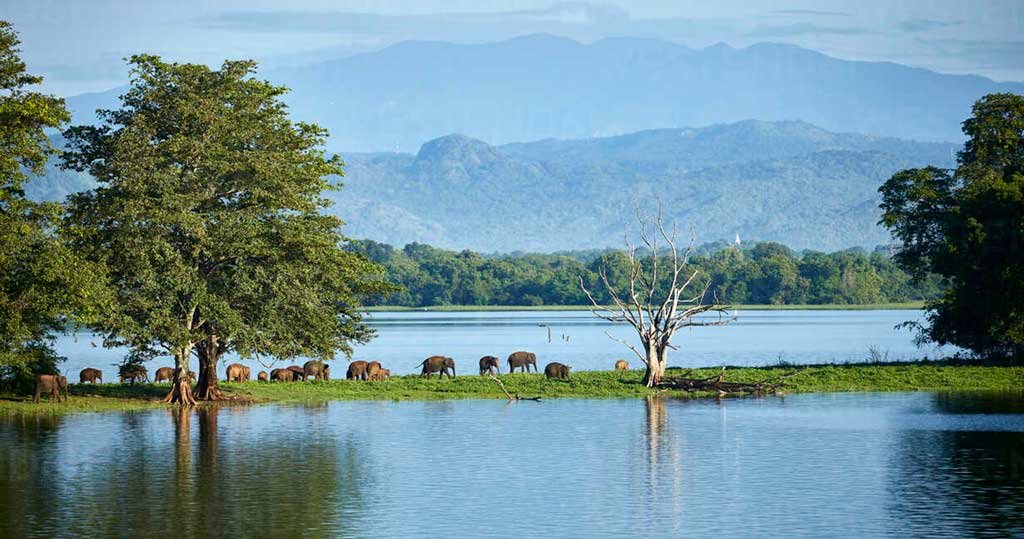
x=52 y=384
x=373 y=370
x=439 y=364
x=262 y=376
x=622 y=365
x=489 y=365
x=557 y=370
x=90 y=375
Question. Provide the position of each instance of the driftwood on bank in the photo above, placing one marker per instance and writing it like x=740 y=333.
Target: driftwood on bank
x=718 y=384
x=509 y=395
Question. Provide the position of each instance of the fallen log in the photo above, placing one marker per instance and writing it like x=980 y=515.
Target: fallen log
x=718 y=384
x=510 y=397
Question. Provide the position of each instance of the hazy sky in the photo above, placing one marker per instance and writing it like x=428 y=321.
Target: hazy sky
x=78 y=45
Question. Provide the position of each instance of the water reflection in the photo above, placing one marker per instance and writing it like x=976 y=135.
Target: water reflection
x=970 y=483
x=810 y=465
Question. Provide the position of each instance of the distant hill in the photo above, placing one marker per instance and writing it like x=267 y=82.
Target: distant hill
x=540 y=86
x=789 y=182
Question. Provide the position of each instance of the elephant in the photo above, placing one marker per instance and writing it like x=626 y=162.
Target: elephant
x=622 y=365
x=163 y=373
x=356 y=370
x=282 y=375
x=167 y=373
x=236 y=372
x=489 y=365
x=52 y=384
x=522 y=360
x=438 y=364
x=317 y=368
x=385 y=374
x=90 y=375
x=299 y=373
x=557 y=370
x=262 y=376
x=373 y=369
x=134 y=374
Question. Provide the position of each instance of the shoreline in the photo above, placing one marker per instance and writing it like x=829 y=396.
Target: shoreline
x=839 y=378
x=908 y=306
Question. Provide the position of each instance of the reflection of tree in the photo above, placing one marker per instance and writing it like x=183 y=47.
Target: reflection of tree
x=154 y=478
x=29 y=480
x=662 y=464
x=968 y=483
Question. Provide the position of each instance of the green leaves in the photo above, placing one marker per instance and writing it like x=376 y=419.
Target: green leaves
x=208 y=215
x=43 y=285
x=967 y=226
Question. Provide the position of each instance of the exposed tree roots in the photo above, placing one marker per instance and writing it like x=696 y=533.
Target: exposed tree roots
x=717 y=384
x=180 y=393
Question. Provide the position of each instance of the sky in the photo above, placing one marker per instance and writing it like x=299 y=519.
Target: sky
x=79 y=46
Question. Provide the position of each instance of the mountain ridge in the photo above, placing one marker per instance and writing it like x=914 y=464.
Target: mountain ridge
x=541 y=86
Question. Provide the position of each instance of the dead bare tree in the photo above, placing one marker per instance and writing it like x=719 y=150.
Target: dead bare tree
x=657 y=309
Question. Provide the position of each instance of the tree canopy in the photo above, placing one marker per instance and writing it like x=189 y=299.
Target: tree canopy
x=967 y=226
x=208 y=216
x=42 y=283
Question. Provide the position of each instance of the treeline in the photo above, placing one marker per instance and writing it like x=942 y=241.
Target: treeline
x=762 y=273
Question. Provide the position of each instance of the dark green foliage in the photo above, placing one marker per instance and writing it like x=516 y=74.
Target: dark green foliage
x=42 y=283
x=767 y=273
x=967 y=225
x=209 y=214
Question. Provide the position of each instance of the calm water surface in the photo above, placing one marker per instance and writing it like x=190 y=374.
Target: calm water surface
x=579 y=339
x=849 y=465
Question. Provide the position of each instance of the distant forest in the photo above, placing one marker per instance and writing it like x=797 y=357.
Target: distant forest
x=761 y=273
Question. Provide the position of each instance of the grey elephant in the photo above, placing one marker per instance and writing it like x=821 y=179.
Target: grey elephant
x=489 y=365
x=90 y=375
x=317 y=368
x=52 y=384
x=163 y=373
x=557 y=371
x=439 y=364
x=522 y=360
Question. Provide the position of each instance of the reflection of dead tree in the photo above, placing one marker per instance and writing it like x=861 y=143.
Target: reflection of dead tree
x=657 y=301
x=717 y=384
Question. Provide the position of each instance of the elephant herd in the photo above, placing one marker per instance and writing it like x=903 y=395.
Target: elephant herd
x=54 y=384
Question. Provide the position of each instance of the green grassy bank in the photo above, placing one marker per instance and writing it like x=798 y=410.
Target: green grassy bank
x=587 y=384
x=799 y=307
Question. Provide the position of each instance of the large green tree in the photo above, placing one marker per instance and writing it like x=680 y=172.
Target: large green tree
x=967 y=225
x=208 y=216
x=41 y=281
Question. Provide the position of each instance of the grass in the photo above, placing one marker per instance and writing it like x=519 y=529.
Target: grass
x=913 y=305
x=922 y=376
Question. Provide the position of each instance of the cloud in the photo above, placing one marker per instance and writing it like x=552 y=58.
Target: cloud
x=805 y=28
x=924 y=25
x=988 y=54
x=812 y=12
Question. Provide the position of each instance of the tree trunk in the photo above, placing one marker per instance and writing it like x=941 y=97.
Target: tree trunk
x=206 y=387
x=656 y=363
x=181 y=385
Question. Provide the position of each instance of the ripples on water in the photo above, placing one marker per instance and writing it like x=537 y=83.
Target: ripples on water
x=579 y=339
x=848 y=465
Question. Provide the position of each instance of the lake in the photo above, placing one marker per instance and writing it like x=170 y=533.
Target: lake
x=579 y=339
x=809 y=465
